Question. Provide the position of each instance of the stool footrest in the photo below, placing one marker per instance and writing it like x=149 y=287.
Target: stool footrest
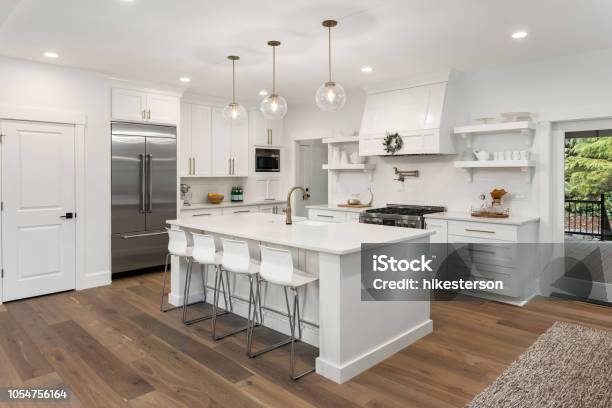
x=269 y=348
x=200 y=319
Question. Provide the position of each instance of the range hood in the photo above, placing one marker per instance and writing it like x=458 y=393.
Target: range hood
x=423 y=111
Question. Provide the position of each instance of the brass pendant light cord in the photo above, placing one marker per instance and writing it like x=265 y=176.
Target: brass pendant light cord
x=330 y=52
x=274 y=70
x=233 y=81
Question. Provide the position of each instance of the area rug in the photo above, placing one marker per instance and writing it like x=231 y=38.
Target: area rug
x=569 y=366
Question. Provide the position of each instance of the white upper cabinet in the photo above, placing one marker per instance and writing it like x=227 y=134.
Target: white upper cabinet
x=196 y=140
x=139 y=106
x=128 y=104
x=265 y=132
x=422 y=112
x=230 y=147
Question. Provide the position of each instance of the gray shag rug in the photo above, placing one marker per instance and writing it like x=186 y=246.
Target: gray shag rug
x=569 y=366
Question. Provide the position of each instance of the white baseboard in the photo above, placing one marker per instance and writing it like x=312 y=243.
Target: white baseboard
x=341 y=374
x=274 y=321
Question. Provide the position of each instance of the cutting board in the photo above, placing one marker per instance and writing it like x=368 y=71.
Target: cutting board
x=353 y=205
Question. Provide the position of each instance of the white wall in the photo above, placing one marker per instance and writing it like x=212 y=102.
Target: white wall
x=569 y=87
x=46 y=86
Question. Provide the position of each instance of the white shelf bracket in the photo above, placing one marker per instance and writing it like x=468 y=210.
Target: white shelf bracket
x=528 y=171
x=530 y=133
x=468 y=139
x=470 y=174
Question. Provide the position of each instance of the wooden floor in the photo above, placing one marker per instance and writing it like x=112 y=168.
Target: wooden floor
x=112 y=347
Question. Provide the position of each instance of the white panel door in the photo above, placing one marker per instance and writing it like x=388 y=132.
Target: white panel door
x=201 y=140
x=240 y=150
x=162 y=109
x=128 y=104
x=186 y=157
x=38 y=190
x=221 y=144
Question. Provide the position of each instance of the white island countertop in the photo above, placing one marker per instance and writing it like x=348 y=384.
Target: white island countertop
x=465 y=216
x=332 y=238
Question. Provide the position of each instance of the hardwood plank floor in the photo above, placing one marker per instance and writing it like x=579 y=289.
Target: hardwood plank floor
x=113 y=348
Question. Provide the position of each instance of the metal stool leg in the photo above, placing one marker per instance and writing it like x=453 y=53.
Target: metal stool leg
x=296 y=320
x=229 y=295
x=163 y=293
x=187 y=289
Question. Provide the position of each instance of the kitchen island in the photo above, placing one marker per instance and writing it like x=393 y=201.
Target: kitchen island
x=352 y=335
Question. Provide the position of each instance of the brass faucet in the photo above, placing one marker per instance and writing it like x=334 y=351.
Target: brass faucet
x=305 y=196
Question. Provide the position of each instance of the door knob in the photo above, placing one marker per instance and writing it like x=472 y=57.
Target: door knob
x=68 y=216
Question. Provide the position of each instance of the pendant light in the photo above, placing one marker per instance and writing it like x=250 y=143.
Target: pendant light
x=330 y=96
x=274 y=106
x=234 y=112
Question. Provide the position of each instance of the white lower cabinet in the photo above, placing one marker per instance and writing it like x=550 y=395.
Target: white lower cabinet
x=493 y=251
x=273 y=209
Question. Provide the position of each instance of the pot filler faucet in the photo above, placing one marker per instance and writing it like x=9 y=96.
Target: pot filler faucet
x=305 y=196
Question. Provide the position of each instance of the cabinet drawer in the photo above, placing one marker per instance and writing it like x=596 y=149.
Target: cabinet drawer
x=327 y=216
x=240 y=210
x=483 y=230
x=205 y=212
x=503 y=254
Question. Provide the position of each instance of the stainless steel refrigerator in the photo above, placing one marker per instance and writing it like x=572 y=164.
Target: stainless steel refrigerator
x=144 y=188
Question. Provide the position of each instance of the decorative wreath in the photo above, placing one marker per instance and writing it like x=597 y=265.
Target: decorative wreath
x=393 y=143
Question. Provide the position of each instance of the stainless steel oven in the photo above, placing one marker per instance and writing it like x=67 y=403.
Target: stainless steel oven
x=267 y=160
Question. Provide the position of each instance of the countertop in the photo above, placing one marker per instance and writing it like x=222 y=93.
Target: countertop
x=226 y=204
x=465 y=216
x=331 y=207
x=332 y=238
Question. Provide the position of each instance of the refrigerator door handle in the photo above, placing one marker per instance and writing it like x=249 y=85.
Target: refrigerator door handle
x=143 y=177
x=149 y=183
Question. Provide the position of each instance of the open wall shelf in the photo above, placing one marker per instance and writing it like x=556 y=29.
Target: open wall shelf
x=526 y=166
x=525 y=127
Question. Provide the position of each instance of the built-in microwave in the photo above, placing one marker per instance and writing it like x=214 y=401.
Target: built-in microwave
x=267 y=160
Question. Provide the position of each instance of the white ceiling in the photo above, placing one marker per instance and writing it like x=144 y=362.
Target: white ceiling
x=162 y=40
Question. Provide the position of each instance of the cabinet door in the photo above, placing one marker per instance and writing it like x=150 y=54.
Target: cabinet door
x=276 y=132
x=240 y=150
x=274 y=188
x=128 y=104
x=221 y=144
x=162 y=109
x=201 y=140
x=258 y=128
x=185 y=139
x=261 y=188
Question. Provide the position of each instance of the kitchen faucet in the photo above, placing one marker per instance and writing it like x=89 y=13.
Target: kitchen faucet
x=305 y=196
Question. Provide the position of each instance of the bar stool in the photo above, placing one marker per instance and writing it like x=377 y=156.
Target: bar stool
x=204 y=253
x=277 y=268
x=236 y=259
x=178 y=245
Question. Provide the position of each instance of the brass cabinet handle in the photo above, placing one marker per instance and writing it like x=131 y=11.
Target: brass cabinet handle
x=144 y=114
x=194 y=166
x=241 y=211
x=229 y=162
x=149 y=114
x=325 y=216
x=483 y=231
x=271 y=137
x=233 y=166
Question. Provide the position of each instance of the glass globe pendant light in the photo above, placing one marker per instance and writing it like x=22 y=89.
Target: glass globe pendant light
x=274 y=106
x=234 y=112
x=330 y=96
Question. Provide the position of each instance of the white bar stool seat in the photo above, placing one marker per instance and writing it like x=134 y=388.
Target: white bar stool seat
x=236 y=259
x=277 y=268
x=178 y=245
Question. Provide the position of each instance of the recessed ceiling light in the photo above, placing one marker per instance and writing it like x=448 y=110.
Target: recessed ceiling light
x=51 y=54
x=366 y=69
x=263 y=93
x=184 y=79
x=519 y=34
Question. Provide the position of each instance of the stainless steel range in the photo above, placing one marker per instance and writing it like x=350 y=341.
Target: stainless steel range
x=399 y=215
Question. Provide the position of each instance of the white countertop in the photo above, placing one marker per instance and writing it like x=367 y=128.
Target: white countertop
x=333 y=238
x=465 y=216
x=226 y=204
x=331 y=207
